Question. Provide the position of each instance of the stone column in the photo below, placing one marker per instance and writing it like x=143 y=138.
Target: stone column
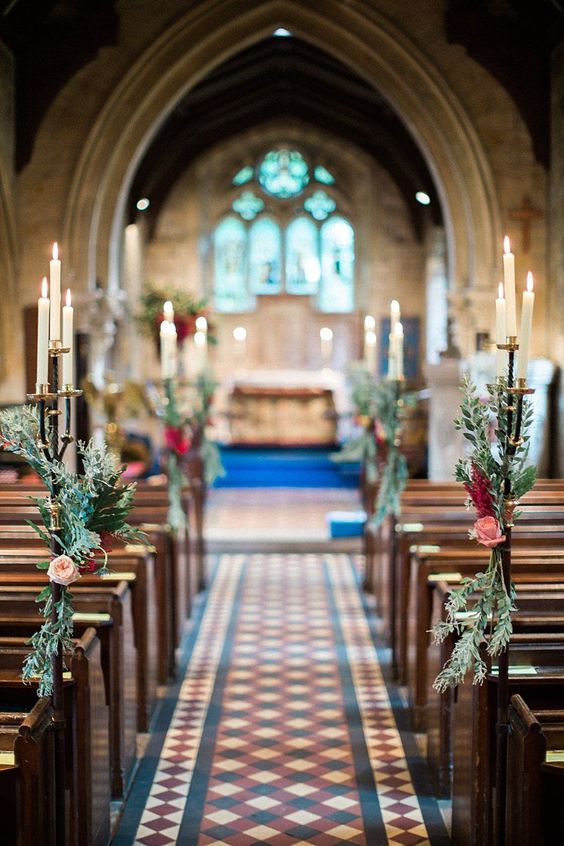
x=446 y=445
x=556 y=235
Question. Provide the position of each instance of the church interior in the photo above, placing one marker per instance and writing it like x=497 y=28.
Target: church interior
x=282 y=422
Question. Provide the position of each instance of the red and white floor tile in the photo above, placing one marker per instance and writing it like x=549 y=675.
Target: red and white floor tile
x=284 y=732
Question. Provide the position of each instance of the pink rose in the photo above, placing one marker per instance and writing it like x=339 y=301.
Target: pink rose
x=63 y=570
x=487 y=532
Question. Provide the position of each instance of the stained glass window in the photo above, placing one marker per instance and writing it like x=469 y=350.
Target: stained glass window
x=248 y=205
x=230 y=277
x=265 y=255
x=321 y=174
x=244 y=175
x=302 y=257
x=283 y=173
x=337 y=266
x=320 y=205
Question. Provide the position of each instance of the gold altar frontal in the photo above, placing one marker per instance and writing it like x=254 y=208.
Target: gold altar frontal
x=286 y=416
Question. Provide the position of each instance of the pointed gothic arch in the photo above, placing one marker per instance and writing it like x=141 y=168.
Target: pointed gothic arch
x=354 y=33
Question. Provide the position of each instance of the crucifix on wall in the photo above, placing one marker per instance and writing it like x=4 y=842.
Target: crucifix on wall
x=526 y=214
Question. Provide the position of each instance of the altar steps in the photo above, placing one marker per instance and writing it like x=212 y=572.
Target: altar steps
x=279 y=467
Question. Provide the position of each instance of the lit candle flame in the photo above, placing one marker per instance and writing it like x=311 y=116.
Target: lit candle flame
x=370 y=338
x=69 y=299
x=168 y=311
x=394 y=306
x=55 y=251
x=506 y=245
x=530 y=281
x=500 y=293
x=369 y=323
x=44 y=288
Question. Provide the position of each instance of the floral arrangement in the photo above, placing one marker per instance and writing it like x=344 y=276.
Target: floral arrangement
x=361 y=447
x=492 y=460
x=187 y=309
x=92 y=509
x=185 y=435
x=389 y=407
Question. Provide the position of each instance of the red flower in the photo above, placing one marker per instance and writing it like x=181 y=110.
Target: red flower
x=480 y=493
x=88 y=566
x=177 y=440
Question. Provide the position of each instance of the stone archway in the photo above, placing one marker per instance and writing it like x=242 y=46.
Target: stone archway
x=355 y=34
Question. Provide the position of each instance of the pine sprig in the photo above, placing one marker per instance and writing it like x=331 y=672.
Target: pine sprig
x=481 y=610
x=93 y=506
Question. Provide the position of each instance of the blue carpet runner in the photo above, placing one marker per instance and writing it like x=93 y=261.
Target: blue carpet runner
x=282 y=730
x=256 y=467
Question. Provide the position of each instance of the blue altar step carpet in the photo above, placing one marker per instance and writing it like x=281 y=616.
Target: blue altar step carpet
x=279 y=467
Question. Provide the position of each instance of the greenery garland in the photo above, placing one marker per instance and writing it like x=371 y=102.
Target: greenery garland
x=389 y=408
x=94 y=507
x=484 y=425
x=183 y=432
x=361 y=447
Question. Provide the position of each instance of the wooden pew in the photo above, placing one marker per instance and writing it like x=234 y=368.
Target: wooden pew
x=86 y=735
x=540 y=559
x=136 y=567
x=474 y=730
x=535 y=776
x=108 y=609
x=27 y=776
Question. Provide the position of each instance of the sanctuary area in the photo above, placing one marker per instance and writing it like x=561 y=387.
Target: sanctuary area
x=282 y=422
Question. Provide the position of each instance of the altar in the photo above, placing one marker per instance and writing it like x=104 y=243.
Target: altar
x=286 y=407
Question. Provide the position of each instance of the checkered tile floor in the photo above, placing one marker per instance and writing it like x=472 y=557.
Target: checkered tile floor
x=283 y=732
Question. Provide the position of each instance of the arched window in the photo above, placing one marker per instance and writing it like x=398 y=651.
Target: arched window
x=302 y=257
x=230 y=272
x=337 y=266
x=287 y=234
x=265 y=253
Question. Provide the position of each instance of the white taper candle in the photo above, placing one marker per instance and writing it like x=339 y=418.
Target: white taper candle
x=526 y=328
x=55 y=292
x=68 y=377
x=509 y=287
x=42 y=375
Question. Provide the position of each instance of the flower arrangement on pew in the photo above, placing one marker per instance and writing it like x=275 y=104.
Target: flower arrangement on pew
x=361 y=446
x=389 y=408
x=187 y=309
x=83 y=513
x=495 y=457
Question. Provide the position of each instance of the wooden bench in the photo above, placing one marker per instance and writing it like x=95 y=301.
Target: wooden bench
x=86 y=734
x=108 y=609
x=535 y=776
x=540 y=680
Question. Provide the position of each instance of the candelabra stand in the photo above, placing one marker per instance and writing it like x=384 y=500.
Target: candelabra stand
x=54 y=446
x=395 y=444
x=516 y=391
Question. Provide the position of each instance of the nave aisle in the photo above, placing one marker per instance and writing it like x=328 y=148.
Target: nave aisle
x=282 y=730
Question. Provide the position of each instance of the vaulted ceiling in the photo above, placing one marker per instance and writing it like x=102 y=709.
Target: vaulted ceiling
x=52 y=39
x=285 y=78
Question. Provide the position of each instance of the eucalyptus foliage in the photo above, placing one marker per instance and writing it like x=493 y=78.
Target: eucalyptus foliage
x=93 y=505
x=481 y=609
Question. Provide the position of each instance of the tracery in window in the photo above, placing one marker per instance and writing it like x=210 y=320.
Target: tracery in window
x=283 y=173
x=271 y=245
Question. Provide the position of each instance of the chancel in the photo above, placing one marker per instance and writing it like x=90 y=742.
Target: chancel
x=282 y=423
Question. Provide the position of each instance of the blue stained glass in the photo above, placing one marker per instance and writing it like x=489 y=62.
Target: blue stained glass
x=321 y=174
x=230 y=288
x=283 y=173
x=337 y=266
x=265 y=251
x=320 y=205
x=244 y=175
x=248 y=205
x=303 y=268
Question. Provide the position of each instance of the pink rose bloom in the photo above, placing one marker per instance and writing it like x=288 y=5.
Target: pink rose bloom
x=487 y=532
x=63 y=570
